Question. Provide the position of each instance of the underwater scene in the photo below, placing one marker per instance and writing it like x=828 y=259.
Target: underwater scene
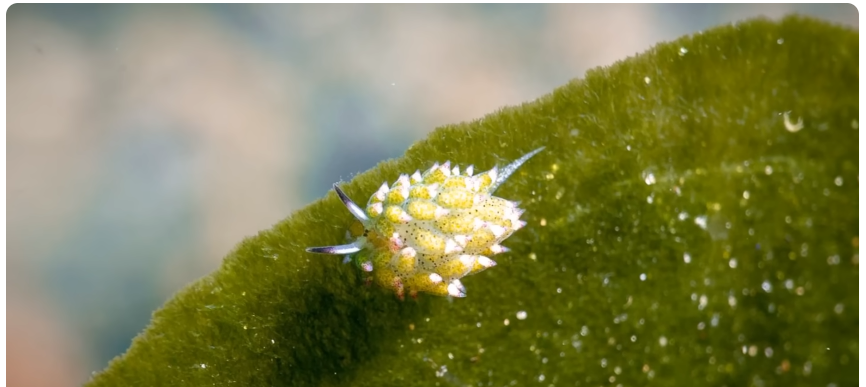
x=433 y=195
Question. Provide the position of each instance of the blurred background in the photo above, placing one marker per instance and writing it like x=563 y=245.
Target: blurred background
x=144 y=142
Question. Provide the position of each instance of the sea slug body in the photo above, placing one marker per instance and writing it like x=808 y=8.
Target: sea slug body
x=426 y=231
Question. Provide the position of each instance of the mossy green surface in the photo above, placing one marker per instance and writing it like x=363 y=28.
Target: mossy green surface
x=679 y=234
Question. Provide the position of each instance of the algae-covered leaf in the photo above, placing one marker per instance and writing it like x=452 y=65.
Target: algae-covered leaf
x=693 y=220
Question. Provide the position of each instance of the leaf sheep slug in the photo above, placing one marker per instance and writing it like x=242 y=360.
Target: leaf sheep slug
x=428 y=230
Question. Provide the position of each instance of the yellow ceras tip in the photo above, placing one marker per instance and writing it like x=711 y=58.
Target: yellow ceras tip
x=427 y=230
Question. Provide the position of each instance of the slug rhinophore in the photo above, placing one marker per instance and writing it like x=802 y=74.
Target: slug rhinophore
x=428 y=230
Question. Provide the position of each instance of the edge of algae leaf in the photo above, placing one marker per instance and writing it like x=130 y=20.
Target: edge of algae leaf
x=626 y=134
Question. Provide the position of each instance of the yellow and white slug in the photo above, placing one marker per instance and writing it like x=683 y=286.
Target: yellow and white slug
x=428 y=230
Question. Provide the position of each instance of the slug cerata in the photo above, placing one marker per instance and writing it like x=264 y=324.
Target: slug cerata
x=428 y=230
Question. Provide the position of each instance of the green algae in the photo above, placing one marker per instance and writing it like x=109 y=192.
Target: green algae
x=679 y=233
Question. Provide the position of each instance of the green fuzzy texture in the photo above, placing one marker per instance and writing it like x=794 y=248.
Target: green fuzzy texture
x=678 y=234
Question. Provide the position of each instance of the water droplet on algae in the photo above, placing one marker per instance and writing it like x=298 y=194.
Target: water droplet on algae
x=791 y=126
x=780 y=41
x=687 y=258
x=649 y=178
x=521 y=315
x=838 y=181
x=767 y=286
x=683 y=51
x=647 y=80
x=701 y=221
